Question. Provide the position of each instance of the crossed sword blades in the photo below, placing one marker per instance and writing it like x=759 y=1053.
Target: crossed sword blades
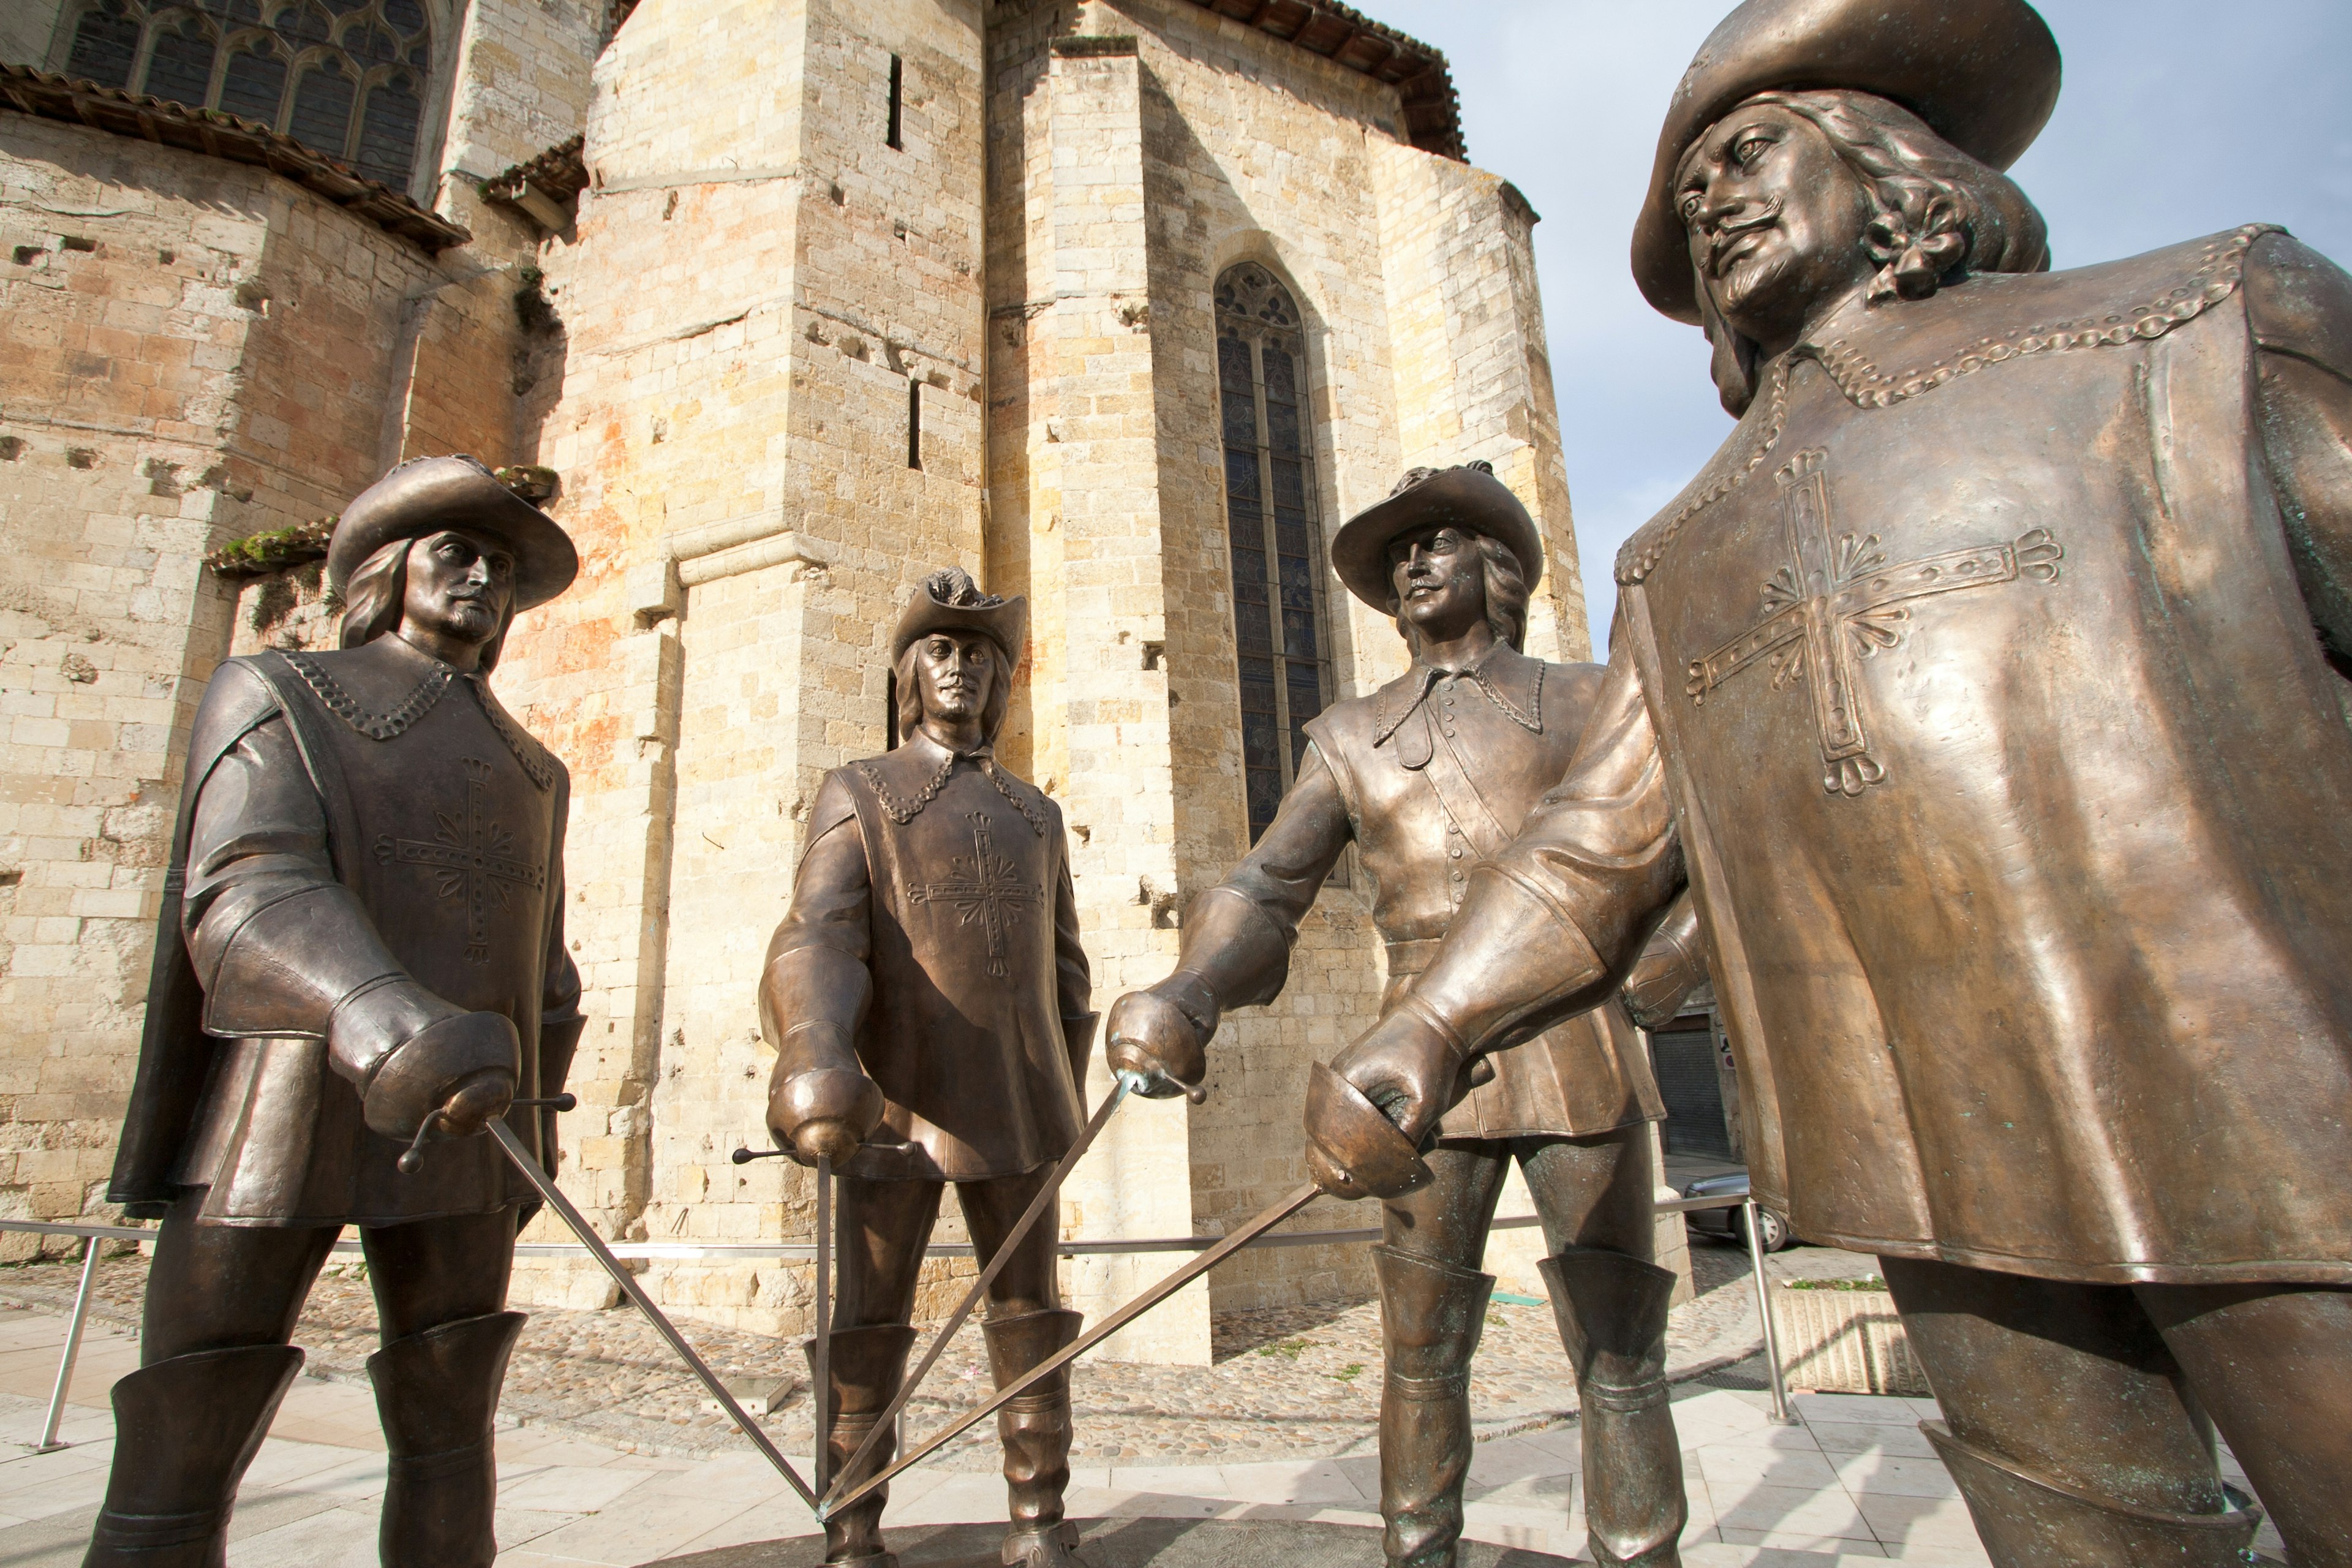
x=835 y=1495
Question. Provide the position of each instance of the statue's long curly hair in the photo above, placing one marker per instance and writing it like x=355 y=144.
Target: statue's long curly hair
x=1938 y=213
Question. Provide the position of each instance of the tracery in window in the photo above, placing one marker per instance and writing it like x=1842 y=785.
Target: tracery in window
x=1274 y=530
x=345 y=78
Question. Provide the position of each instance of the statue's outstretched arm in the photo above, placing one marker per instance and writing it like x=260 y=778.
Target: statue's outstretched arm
x=1235 y=950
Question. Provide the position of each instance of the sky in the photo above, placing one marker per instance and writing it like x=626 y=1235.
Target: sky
x=2178 y=119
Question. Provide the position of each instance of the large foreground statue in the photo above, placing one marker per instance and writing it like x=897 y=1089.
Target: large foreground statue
x=1989 y=689
x=363 y=927
x=928 y=998
x=1425 y=775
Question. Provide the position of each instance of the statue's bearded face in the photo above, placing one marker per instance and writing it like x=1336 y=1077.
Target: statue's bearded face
x=1439 y=577
x=954 y=672
x=460 y=585
x=1777 y=222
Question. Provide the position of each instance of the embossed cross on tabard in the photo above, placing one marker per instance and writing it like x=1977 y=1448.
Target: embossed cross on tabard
x=1839 y=600
x=985 y=886
x=473 y=860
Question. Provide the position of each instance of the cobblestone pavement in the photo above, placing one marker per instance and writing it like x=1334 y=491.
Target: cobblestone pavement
x=1286 y=1383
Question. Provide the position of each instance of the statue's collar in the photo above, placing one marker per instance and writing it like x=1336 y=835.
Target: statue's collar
x=924 y=765
x=1508 y=678
x=433 y=680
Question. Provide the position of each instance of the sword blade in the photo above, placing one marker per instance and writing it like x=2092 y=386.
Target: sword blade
x=1037 y=1205
x=1281 y=1210
x=525 y=1162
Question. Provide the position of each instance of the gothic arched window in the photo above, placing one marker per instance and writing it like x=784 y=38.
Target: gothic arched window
x=345 y=78
x=1274 y=530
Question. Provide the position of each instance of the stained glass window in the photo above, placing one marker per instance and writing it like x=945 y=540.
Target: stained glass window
x=352 y=67
x=1273 y=530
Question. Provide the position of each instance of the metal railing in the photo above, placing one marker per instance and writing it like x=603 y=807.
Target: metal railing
x=658 y=1251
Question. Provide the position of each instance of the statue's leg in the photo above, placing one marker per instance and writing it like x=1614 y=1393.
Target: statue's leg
x=1026 y=1324
x=2274 y=1367
x=1432 y=1309
x=222 y=1301
x=440 y=1288
x=2065 y=1424
x=881 y=1230
x=1611 y=1301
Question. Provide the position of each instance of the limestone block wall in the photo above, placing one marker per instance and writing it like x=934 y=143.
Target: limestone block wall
x=1424 y=345
x=760 y=297
x=196 y=350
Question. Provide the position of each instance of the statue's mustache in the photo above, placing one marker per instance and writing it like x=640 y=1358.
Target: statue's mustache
x=1764 y=214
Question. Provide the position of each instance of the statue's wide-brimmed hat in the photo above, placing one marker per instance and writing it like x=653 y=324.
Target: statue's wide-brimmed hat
x=949 y=601
x=430 y=494
x=1983 y=74
x=1468 y=497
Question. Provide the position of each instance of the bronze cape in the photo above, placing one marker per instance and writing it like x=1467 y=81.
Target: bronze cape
x=444 y=821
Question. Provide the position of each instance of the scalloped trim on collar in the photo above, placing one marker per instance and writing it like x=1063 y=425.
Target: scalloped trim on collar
x=2219 y=272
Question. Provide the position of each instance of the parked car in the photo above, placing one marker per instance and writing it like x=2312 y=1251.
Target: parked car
x=1731 y=1221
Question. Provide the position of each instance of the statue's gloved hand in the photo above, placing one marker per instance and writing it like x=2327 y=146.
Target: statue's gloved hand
x=821 y=1104
x=1159 y=1037
x=414 y=1054
x=1408 y=1070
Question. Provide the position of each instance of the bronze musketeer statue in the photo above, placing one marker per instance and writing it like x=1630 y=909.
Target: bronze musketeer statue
x=1989 y=689
x=363 y=926
x=928 y=999
x=1425 y=776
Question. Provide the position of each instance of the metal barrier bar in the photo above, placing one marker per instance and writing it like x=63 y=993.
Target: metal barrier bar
x=691 y=1252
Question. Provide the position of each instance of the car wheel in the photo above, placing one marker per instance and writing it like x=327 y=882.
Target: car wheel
x=1776 y=1229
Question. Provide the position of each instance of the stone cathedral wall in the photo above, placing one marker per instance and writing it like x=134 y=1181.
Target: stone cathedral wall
x=720 y=351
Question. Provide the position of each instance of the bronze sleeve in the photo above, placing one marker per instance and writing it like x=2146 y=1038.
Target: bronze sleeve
x=817 y=972
x=1238 y=935
x=2300 y=307
x=1551 y=921
x=1672 y=966
x=560 y=1022
x=276 y=940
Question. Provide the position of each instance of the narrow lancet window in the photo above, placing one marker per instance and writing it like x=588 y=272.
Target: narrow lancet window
x=1274 y=530
x=898 y=83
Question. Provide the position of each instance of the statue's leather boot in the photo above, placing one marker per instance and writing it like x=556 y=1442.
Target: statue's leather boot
x=2031 y=1520
x=1612 y=1310
x=184 y=1431
x=1034 y=1427
x=437 y=1392
x=1431 y=1314
x=866 y=1366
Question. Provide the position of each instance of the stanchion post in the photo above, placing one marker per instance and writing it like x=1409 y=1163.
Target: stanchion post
x=1764 y=1313
x=50 y=1444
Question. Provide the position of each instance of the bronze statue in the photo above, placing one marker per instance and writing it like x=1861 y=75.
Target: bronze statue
x=1425 y=776
x=928 y=999
x=1989 y=689
x=362 y=935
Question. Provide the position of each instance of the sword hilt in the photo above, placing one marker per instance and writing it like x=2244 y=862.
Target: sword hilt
x=745 y=1156
x=410 y=1162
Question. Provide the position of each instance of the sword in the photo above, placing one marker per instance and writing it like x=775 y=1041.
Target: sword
x=529 y=1167
x=1282 y=1210
x=821 y=1363
x=1037 y=1205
